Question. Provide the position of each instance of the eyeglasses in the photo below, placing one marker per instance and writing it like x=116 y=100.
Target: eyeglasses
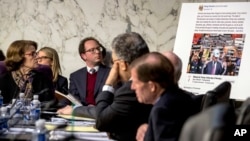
x=43 y=57
x=94 y=50
x=33 y=54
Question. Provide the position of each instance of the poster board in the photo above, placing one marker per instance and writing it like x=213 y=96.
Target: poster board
x=214 y=32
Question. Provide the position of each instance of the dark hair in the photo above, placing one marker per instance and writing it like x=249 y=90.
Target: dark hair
x=81 y=47
x=154 y=67
x=129 y=46
x=15 y=53
x=2 y=56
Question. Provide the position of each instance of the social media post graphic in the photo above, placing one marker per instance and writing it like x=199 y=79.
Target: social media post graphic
x=212 y=41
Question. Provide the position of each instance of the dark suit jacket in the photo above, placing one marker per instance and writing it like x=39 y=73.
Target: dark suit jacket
x=209 y=66
x=168 y=115
x=120 y=113
x=40 y=82
x=61 y=84
x=85 y=111
x=78 y=81
x=89 y=111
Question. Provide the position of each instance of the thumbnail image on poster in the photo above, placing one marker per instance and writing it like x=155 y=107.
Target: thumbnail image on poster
x=216 y=54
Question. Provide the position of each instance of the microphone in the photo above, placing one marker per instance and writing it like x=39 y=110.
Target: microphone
x=42 y=91
x=18 y=107
x=45 y=104
x=65 y=89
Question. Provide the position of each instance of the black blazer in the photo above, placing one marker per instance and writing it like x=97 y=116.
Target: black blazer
x=40 y=83
x=168 y=115
x=120 y=113
x=61 y=84
x=78 y=81
x=209 y=67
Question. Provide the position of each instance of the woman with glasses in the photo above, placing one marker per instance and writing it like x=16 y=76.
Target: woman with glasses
x=49 y=56
x=23 y=73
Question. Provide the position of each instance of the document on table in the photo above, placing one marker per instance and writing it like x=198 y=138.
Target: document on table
x=71 y=117
x=90 y=136
x=72 y=127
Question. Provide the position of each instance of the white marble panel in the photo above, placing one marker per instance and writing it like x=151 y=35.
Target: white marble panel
x=61 y=24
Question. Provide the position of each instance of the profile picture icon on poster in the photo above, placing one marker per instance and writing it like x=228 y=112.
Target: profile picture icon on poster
x=201 y=7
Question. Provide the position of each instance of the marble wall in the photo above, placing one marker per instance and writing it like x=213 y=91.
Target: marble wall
x=61 y=24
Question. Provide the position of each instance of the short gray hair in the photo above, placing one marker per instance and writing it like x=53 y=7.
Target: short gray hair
x=129 y=46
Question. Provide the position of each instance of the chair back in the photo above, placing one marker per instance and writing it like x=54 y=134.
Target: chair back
x=220 y=94
x=244 y=113
x=212 y=124
x=3 y=68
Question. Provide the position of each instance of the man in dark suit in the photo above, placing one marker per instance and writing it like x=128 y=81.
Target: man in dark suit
x=118 y=111
x=154 y=80
x=214 y=66
x=87 y=82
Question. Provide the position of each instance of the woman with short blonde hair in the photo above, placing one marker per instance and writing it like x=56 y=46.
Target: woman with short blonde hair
x=49 y=56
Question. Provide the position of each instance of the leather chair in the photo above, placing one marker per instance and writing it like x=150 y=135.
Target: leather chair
x=220 y=94
x=2 y=68
x=212 y=124
x=244 y=113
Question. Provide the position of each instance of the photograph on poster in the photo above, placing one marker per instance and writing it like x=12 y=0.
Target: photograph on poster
x=216 y=54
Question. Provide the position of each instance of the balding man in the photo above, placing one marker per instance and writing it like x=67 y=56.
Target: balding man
x=214 y=66
x=170 y=95
x=177 y=63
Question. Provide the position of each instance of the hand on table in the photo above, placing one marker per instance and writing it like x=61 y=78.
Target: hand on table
x=67 y=110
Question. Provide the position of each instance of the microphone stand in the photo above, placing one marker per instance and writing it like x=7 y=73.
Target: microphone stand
x=18 y=108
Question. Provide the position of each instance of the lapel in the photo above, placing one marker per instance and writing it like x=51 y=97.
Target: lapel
x=99 y=79
x=82 y=80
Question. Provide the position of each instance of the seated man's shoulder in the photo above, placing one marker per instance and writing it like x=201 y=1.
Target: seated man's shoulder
x=124 y=89
x=78 y=71
x=176 y=96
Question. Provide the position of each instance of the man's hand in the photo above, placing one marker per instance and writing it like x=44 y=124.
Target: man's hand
x=67 y=110
x=113 y=75
x=141 y=132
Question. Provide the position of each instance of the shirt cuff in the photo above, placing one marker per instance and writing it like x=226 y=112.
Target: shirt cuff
x=108 y=88
x=76 y=106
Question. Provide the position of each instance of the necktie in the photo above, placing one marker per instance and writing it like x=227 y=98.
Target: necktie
x=92 y=71
x=214 y=68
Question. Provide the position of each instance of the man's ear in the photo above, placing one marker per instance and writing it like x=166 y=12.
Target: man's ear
x=152 y=86
x=82 y=55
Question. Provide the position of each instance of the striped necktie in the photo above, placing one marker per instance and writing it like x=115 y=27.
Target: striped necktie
x=214 y=68
x=92 y=71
